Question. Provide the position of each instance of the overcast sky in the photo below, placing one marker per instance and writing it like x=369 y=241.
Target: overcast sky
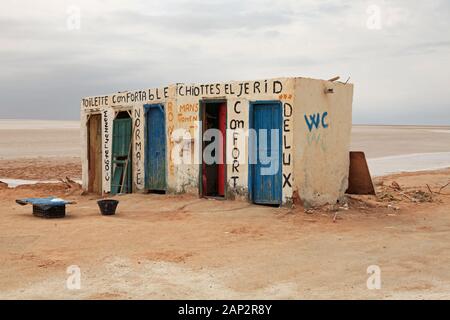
x=397 y=53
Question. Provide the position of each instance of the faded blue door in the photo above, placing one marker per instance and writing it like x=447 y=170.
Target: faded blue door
x=266 y=170
x=155 y=173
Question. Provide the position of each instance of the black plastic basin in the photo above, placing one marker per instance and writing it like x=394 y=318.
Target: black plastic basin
x=107 y=206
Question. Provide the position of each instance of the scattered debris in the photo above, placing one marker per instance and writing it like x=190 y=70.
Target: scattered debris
x=364 y=201
x=335 y=217
x=70 y=183
x=440 y=190
x=332 y=208
x=378 y=183
x=421 y=196
x=395 y=186
x=395 y=193
x=334 y=79
x=406 y=196
x=395 y=208
x=429 y=189
x=388 y=197
x=72 y=187
x=443 y=187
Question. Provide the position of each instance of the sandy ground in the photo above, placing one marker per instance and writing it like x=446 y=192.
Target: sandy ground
x=51 y=168
x=165 y=247
x=168 y=247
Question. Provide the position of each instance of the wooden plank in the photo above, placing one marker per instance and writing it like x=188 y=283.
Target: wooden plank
x=98 y=154
x=95 y=154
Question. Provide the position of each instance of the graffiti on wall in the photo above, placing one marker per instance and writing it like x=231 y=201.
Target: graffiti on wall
x=126 y=98
x=315 y=139
x=138 y=148
x=237 y=130
x=237 y=89
x=287 y=147
x=188 y=114
x=106 y=150
x=315 y=122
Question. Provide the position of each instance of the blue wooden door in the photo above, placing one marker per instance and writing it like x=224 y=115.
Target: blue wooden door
x=266 y=176
x=155 y=173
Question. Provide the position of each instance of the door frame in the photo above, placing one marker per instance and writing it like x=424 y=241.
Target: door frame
x=280 y=141
x=147 y=108
x=202 y=109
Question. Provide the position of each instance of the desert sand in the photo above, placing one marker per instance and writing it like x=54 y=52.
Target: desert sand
x=165 y=247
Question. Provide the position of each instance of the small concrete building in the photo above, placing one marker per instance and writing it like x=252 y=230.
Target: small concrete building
x=271 y=141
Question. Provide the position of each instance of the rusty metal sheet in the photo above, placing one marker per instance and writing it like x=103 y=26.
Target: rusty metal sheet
x=359 y=179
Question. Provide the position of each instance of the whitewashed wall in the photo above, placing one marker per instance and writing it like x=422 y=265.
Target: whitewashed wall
x=304 y=155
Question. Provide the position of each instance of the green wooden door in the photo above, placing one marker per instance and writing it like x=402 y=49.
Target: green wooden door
x=120 y=154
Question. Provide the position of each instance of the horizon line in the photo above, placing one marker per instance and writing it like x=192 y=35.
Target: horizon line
x=353 y=124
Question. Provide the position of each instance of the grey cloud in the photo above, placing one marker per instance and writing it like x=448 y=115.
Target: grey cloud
x=46 y=70
x=206 y=23
x=425 y=47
